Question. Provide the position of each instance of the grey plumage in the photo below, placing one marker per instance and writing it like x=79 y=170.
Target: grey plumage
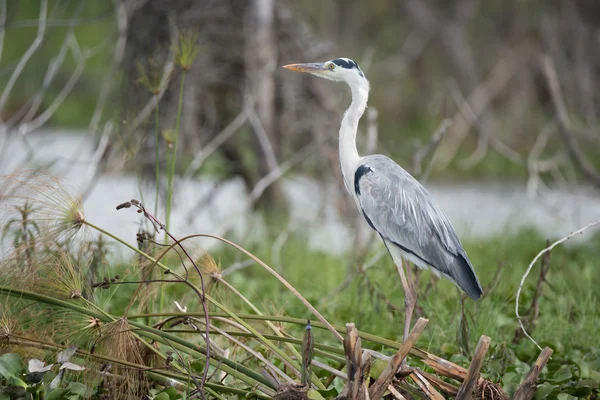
x=410 y=222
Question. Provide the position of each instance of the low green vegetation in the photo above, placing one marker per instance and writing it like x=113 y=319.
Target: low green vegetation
x=61 y=291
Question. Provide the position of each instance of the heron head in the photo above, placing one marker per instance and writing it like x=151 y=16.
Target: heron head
x=339 y=69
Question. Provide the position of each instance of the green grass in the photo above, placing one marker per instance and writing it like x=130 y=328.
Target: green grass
x=567 y=320
x=567 y=307
x=45 y=280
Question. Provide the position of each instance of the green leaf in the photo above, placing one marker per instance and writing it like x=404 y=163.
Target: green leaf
x=15 y=381
x=564 y=396
x=314 y=395
x=80 y=389
x=588 y=383
x=162 y=396
x=544 y=390
x=563 y=374
x=171 y=391
x=11 y=363
x=330 y=393
x=4 y=396
x=57 y=394
x=377 y=368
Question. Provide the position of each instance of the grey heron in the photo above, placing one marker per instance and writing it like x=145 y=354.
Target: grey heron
x=408 y=219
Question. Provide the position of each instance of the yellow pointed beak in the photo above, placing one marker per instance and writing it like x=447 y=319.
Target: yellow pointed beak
x=308 y=67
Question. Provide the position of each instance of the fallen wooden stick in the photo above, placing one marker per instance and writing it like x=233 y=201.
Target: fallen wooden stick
x=528 y=388
x=378 y=388
x=465 y=391
x=440 y=384
x=425 y=386
x=440 y=365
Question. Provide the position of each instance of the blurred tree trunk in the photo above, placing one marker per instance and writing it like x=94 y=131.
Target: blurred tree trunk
x=261 y=59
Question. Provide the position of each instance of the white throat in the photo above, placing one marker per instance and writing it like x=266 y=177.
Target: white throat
x=349 y=157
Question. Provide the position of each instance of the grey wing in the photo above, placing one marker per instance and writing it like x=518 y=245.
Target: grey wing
x=401 y=210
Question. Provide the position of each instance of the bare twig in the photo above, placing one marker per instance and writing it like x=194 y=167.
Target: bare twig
x=421 y=153
x=30 y=108
x=439 y=383
x=82 y=58
x=256 y=354
x=476 y=103
x=216 y=142
x=263 y=139
x=118 y=54
x=41 y=31
x=541 y=253
x=577 y=155
x=279 y=171
x=397 y=395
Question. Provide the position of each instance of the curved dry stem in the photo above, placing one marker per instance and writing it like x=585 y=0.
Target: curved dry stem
x=532 y=263
x=315 y=312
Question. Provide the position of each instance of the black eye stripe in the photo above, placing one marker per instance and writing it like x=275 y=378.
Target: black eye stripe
x=344 y=63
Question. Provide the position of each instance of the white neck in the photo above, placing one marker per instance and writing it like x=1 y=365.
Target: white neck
x=349 y=158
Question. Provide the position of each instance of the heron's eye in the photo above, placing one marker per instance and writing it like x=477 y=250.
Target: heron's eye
x=331 y=66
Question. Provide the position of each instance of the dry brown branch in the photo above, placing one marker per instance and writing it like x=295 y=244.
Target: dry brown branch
x=397 y=395
x=41 y=31
x=466 y=389
x=31 y=107
x=118 y=55
x=426 y=386
x=356 y=366
x=528 y=388
x=440 y=365
x=440 y=384
x=216 y=142
x=378 y=388
x=82 y=58
x=576 y=154
x=477 y=102
x=424 y=151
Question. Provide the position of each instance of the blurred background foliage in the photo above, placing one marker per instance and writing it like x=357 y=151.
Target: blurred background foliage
x=423 y=58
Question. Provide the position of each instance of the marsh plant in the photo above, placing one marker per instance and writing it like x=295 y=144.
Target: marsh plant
x=169 y=323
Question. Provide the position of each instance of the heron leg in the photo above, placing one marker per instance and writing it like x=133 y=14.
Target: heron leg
x=410 y=296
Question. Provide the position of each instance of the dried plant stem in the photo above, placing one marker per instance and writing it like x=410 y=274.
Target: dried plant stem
x=231 y=367
x=329 y=352
x=442 y=366
x=528 y=388
x=276 y=330
x=425 y=386
x=466 y=389
x=220 y=306
x=41 y=31
x=276 y=275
